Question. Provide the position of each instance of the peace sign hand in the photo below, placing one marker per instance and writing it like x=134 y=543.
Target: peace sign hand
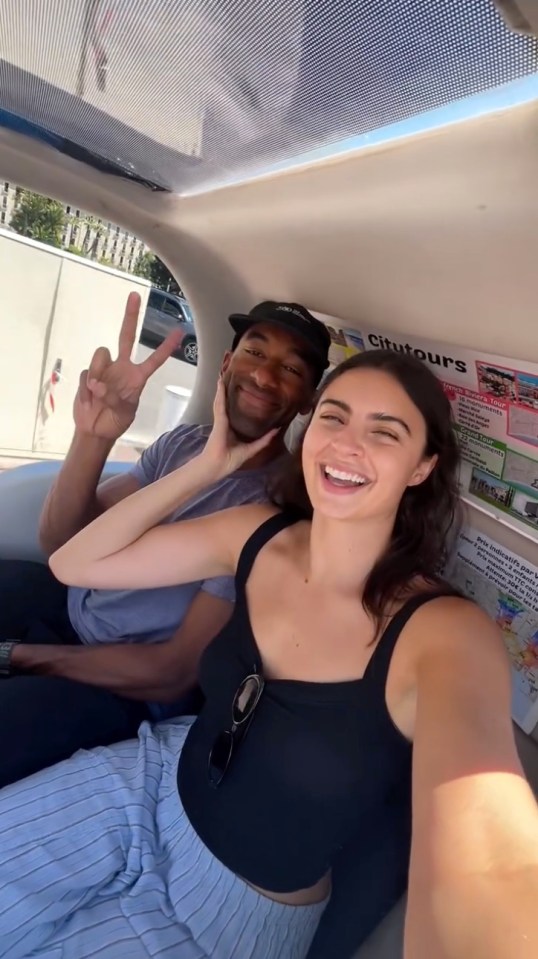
x=109 y=391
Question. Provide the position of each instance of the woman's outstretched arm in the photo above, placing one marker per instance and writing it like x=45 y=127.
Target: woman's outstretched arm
x=473 y=884
x=125 y=548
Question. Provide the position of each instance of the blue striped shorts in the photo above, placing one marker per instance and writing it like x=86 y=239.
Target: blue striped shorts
x=98 y=859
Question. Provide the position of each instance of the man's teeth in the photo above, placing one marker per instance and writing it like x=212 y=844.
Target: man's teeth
x=344 y=477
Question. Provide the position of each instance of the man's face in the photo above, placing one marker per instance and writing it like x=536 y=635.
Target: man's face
x=268 y=381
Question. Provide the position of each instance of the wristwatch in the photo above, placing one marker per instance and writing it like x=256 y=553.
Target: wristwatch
x=6 y=650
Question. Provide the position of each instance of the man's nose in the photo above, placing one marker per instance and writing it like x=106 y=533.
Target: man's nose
x=265 y=377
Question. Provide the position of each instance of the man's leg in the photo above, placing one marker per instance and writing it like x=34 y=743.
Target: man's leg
x=44 y=719
x=33 y=604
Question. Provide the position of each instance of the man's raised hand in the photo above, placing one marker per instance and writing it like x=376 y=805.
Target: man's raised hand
x=109 y=390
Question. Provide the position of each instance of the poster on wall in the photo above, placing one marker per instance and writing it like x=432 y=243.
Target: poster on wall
x=506 y=587
x=495 y=406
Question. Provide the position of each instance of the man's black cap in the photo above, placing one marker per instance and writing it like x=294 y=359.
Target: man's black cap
x=294 y=318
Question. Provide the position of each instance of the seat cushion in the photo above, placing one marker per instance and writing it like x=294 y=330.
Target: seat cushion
x=22 y=494
x=386 y=942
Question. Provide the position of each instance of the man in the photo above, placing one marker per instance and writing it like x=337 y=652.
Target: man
x=105 y=640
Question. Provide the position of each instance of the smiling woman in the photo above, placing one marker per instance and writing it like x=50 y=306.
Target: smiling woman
x=382 y=428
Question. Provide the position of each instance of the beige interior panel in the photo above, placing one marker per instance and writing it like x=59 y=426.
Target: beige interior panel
x=435 y=234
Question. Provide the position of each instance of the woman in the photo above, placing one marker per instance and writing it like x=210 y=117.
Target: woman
x=344 y=649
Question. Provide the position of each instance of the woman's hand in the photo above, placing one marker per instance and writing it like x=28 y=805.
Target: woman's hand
x=224 y=452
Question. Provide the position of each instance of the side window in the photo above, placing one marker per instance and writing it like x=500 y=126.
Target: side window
x=171 y=308
x=187 y=313
x=155 y=300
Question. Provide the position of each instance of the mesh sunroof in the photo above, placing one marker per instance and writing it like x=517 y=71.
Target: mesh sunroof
x=190 y=94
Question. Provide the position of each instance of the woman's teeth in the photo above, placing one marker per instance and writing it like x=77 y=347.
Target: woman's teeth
x=343 y=478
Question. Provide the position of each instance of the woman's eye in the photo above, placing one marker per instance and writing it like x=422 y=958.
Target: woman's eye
x=389 y=435
x=332 y=417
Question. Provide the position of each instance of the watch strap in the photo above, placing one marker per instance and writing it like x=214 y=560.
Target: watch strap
x=6 y=649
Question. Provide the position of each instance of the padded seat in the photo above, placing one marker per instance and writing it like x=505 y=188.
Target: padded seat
x=22 y=493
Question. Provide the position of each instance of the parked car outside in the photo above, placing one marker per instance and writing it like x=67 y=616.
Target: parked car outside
x=163 y=313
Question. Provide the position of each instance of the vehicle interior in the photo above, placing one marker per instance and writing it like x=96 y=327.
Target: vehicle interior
x=374 y=161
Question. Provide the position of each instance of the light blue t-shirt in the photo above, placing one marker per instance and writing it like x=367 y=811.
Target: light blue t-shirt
x=152 y=615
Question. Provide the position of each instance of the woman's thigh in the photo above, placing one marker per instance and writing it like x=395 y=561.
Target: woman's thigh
x=72 y=835
x=103 y=862
x=101 y=931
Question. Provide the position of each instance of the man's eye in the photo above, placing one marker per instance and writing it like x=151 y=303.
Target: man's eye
x=292 y=369
x=252 y=352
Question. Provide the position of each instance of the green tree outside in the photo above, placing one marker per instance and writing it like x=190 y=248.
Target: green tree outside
x=39 y=218
x=149 y=267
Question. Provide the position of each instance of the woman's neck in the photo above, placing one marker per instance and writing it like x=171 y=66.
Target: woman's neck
x=342 y=554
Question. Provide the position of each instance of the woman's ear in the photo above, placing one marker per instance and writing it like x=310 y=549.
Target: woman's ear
x=423 y=470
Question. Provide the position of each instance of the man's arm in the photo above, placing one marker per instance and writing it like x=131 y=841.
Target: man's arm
x=105 y=407
x=160 y=672
x=75 y=498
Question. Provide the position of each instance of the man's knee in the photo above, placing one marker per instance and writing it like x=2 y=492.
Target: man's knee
x=45 y=720
x=28 y=592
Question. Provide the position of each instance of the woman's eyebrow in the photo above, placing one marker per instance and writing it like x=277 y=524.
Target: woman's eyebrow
x=379 y=417
x=339 y=403
x=389 y=418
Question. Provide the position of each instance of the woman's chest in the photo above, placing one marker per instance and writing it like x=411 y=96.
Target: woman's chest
x=302 y=632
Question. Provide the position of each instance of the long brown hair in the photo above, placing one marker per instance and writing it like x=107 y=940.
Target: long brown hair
x=427 y=514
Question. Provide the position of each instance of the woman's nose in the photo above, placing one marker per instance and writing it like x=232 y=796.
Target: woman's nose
x=349 y=444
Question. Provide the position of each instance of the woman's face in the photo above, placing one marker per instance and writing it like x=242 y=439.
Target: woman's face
x=364 y=447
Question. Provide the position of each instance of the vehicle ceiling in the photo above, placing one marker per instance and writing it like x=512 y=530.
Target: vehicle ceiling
x=374 y=159
x=190 y=94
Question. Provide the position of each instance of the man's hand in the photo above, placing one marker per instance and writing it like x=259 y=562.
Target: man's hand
x=109 y=391
x=154 y=672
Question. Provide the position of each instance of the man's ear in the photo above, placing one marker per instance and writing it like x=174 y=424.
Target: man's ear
x=306 y=407
x=226 y=360
x=423 y=470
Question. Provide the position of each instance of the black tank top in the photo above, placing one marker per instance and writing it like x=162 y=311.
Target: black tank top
x=319 y=760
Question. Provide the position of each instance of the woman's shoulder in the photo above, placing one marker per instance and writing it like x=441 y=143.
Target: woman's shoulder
x=436 y=599
x=238 y=523
x=448 y=640
x=447 y=621
x=243 y=524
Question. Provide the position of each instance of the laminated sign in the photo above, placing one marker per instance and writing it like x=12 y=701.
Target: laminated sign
x=506 y=587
